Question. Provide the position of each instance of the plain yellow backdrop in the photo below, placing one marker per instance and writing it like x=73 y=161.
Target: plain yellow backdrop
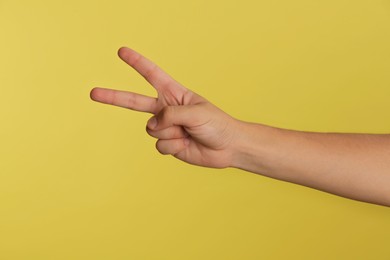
x=80 y=180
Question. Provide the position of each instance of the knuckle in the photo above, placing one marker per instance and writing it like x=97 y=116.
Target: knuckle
x=131 y=101
x=114 y=98
x=133 y=61
x=151 y=73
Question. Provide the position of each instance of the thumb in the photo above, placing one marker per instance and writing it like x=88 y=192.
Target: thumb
x=186 y=116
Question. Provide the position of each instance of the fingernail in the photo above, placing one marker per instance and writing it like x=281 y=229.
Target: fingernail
x=152 y=123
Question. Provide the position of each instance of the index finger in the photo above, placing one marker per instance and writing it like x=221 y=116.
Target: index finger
x=149 y=70
x=125 y=99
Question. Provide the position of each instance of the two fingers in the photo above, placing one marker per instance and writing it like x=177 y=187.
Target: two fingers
x=159 y=79
x=168 y=125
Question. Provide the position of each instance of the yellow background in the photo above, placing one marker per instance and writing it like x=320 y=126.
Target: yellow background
x=80 y=180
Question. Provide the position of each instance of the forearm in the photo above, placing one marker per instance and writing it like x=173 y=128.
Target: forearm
x=356 y=166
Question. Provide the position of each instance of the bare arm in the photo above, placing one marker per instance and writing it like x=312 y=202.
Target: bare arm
x=355 y=166
x=192 y=129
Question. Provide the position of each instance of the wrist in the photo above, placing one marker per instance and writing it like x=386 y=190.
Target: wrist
x=255 y=147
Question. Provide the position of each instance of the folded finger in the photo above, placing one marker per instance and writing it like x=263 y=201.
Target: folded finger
x=172 y=146
x=173 y=132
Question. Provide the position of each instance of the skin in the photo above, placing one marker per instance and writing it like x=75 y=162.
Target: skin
x=190 y=128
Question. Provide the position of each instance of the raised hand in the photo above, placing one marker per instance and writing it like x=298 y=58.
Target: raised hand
x=195 y=131
x=185 y=124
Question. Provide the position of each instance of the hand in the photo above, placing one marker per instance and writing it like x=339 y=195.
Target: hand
x=186 y=125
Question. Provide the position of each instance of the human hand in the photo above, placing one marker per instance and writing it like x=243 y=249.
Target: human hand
x=186 y=125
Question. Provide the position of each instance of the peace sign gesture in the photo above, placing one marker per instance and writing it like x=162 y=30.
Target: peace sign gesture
x=187 y=125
